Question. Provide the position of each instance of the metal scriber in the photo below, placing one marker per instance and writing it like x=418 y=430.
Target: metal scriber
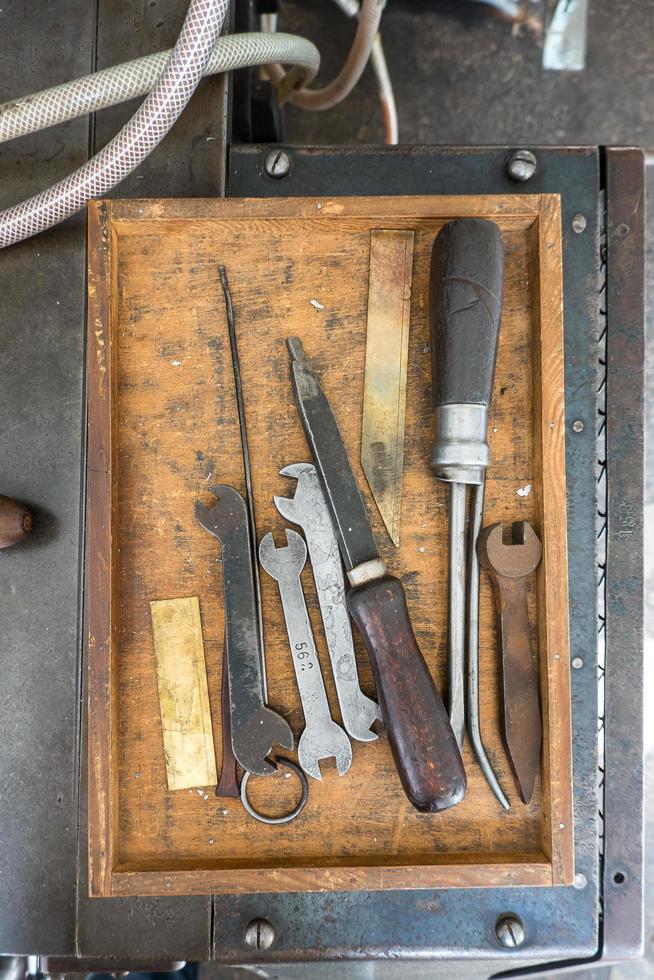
x=467 y=273
x=322 y=737
x=308 y=509
x=425 y=751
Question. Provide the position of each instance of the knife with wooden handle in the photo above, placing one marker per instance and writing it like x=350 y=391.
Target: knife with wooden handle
x=424 y=748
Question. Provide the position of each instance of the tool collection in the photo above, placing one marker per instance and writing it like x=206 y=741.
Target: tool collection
x=351 y=579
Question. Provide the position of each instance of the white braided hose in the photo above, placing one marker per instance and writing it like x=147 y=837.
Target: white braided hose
x=111 y=86
x=341 y=86
x=145 y=130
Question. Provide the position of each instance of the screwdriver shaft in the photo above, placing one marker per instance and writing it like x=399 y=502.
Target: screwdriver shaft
x=474 y=725
x=457 y=610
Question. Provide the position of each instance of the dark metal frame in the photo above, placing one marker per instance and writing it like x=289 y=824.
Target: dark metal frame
x=562 y=924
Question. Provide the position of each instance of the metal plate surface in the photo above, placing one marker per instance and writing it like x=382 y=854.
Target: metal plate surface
x=623 y=842
x=560 y=923
x=41 y=339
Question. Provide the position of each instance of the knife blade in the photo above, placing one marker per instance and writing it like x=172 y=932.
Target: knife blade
x=424 y=748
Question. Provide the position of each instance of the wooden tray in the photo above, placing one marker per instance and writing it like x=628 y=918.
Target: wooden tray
x=163 y=425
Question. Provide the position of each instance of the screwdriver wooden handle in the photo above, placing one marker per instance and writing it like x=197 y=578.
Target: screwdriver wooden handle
x=426 y=754
x=465 y=302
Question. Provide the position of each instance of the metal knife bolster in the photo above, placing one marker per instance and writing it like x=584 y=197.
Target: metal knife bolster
x=461 y=453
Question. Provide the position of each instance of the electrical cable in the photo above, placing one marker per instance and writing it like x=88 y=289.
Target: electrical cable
x=386 y=93
x=341 y=86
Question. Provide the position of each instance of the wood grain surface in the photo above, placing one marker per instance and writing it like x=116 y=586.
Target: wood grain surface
x=163 y=426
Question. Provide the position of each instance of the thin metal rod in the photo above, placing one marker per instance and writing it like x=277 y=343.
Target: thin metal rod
x=236 y=365
x=474 y=728
x=456 y=602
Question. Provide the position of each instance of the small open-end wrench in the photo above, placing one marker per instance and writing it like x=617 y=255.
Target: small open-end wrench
x=508 y=566
x=322 y=738
x=255 y=728
x=308 y=509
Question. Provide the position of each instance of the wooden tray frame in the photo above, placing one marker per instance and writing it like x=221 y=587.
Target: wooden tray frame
x=107 y=221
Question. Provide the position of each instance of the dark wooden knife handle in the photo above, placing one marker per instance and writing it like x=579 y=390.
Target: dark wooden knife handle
x=426 y=754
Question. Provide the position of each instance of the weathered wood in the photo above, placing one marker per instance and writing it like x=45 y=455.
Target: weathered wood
x=183 y=693
x=175 y=427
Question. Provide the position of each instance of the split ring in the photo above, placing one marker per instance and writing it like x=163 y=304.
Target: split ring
x=286 y=818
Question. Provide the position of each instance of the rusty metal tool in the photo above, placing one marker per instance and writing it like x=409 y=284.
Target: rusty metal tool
x=466 y=279
x=509 y=564
x=308 y=509
x=228 y=786
x=251 y=635
x=387 y=353
x=425 y=751
x=322 y=737
x=255 y=728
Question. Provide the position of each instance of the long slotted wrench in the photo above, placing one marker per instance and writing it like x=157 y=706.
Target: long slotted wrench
x=255 y=728
x=308 y=510
x=323 y=737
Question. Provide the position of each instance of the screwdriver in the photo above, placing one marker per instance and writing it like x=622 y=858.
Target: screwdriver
x=465 y=303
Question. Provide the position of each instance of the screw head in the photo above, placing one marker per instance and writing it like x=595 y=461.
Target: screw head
x=521 y=165
x=577 y=663
x=579 y=223
x=578 y=426
x=510 y=931
x=259 y=934
x=277 y=164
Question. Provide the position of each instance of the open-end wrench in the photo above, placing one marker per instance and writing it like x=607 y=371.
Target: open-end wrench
x=508 y=566
x=255 y=728
x=308 y=509
x=322 y=738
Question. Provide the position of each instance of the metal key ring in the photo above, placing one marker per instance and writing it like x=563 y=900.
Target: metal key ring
x=288 y=764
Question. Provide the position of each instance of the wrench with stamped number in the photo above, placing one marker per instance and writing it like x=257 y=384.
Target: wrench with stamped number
x=308 y=509
x=322 y=738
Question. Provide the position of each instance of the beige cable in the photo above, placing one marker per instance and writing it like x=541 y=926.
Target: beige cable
x=347 y=78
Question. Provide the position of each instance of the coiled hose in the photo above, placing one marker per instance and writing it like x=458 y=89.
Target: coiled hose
x=145 y=130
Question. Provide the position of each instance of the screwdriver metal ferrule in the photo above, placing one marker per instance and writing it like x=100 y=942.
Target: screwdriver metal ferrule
x=367 y=571
x=461 y=453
